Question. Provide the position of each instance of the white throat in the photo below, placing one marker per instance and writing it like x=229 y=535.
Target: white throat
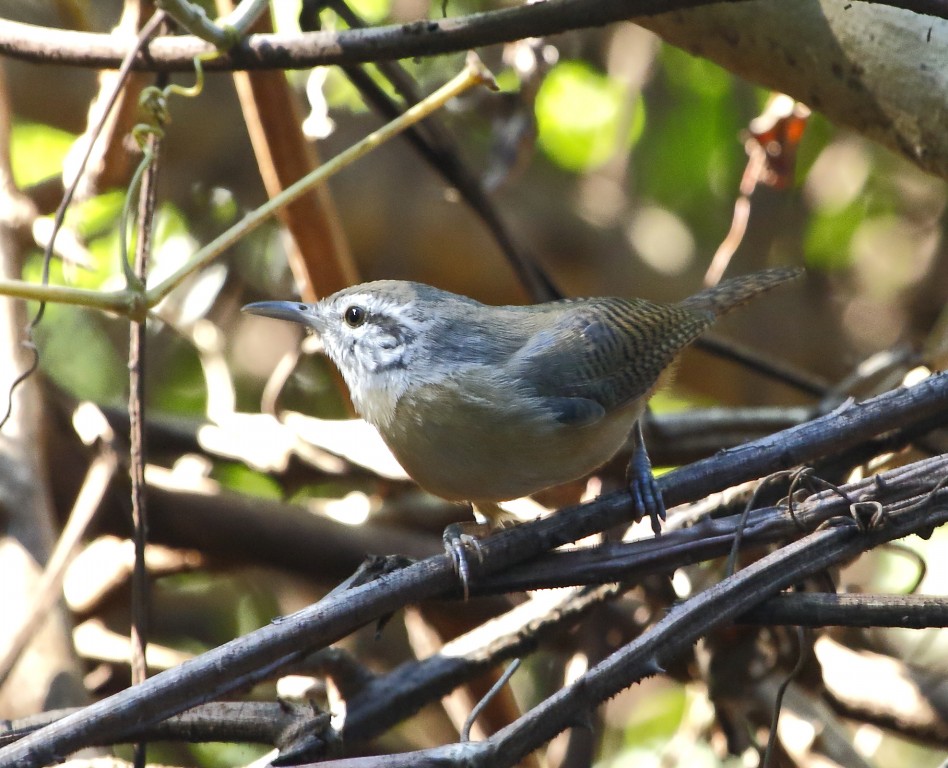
x=375 y=395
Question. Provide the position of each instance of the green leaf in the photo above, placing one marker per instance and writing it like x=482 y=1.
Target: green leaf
x=695 y=77
x=661 y=719
x=98 y=215
x=184 y=392
x=690 y=160
x=37 y=151
x=217 y=754
x=78 y=355
x=239 y=478
x=583 y=116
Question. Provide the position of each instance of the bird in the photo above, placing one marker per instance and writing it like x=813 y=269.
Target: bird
x=484 y=404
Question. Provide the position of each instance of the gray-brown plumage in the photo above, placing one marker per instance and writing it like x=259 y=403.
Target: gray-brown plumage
x=613 y=350
x=485 y=404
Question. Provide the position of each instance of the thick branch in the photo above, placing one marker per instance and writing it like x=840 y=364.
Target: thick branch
x=710 y=537
x=301 y=51
x=876 y=68
x=826 y=610
x=220 y=670
x=377 y=703
x=669 y=638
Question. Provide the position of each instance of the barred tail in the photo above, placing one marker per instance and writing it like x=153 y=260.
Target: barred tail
x=736 y=291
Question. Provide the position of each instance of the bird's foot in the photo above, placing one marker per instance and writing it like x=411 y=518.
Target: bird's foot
x=458 y=542
x=646 y=496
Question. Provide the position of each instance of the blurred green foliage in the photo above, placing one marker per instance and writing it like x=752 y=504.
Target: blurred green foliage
x=658 y=721
x=184 y=393
x=689 y=158
x=223 y=755
x=828 y=234
x=372 y=11
x=585 y=117
x=230 y=604
x=78 y=356
x=239 y=478
x=675 y=144
x=37 y=151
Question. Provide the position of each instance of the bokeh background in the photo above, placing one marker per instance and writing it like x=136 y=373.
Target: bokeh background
x=616 y=161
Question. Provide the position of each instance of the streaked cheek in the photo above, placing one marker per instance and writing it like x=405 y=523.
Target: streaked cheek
x=387 y=358
x=387 y=352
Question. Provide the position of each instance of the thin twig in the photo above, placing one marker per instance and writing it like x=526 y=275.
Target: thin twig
x=135 y=305
x=136 y=414
x=754 y=360
x=465 y=734
x=225 y=32
x=98 y=476
x=124 y=71
x=802 y=655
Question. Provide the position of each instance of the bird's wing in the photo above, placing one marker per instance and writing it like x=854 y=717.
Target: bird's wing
x=600 y=354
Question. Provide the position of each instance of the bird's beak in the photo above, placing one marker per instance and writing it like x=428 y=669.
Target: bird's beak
x=294 y=311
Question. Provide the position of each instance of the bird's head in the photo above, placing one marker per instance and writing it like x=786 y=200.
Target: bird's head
x=372 y=332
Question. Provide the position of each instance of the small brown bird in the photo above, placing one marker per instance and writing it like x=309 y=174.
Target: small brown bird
x=485 y=404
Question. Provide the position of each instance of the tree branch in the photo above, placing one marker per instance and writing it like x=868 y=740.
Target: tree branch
x=710 y=537
x=669 y=638
x=874 y=67
x=288 y=639
x=378 y=703
x=819 y=609
x=300 y=51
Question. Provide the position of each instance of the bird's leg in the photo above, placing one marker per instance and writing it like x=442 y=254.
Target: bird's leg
x=457 y=543
x=461 y=538
x=646 y=498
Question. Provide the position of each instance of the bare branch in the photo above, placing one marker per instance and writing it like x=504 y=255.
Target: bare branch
x=421 y=38
x=300 y=51
x=288 y=639
x=669 y=638
x=826 y=610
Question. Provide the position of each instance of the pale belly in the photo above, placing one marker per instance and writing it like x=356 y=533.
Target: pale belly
x=482 y=450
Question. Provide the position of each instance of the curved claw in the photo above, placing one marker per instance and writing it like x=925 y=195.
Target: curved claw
x=456 y=545
x=646 y=496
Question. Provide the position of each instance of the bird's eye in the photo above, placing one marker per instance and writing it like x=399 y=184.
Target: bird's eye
x=354 y=315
